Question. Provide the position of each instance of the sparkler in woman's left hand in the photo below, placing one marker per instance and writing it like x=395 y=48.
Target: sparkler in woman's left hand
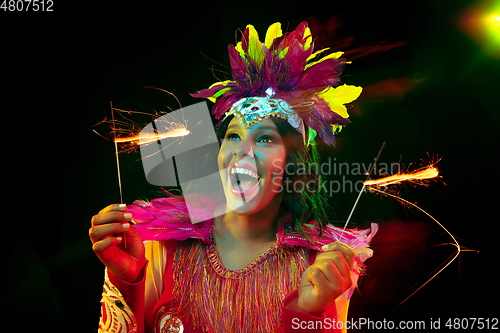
x=131 y=136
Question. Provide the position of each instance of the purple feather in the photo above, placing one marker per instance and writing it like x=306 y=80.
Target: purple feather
x=239 y=66
x=224 y=103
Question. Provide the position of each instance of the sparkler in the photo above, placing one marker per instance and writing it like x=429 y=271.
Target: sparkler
x=427 y=173
x=117 y=165
x=362 y=189
x=129 y=135
x=419 y=176
x=145 y=139
x=116 y=153
x=416 y=176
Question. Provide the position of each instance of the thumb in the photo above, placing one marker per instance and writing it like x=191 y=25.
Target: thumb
x=308 y=275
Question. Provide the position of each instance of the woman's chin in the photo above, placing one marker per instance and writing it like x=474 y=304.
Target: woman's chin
x=250 y=206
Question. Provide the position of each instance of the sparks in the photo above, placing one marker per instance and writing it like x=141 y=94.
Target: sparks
x=427 y=173
x=420 y=177
x=145 y=139
x=130 y=135
x=417 y=177
x=455 y=242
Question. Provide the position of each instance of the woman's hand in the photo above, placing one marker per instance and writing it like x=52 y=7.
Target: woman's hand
x=326 y=279
x=106 y=234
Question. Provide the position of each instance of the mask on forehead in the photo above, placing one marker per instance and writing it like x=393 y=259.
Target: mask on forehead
x=251 y=110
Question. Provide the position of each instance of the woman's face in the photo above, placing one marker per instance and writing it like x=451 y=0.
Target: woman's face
x=251 y=164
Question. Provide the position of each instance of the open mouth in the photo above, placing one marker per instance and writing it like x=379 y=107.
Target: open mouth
x=243 y=179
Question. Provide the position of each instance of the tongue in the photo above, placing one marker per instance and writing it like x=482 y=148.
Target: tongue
x=246 y=182
x=246 y=185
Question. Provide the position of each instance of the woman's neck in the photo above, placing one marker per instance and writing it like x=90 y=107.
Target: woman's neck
x=247 y=230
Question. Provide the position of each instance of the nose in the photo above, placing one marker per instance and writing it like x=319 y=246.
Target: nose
x=244 y=149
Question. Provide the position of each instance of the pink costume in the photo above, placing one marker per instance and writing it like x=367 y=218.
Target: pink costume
x=185 y=287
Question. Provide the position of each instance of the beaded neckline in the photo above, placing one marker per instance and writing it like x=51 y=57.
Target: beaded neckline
x=213 y=257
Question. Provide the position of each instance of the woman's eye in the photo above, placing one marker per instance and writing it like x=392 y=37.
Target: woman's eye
x=266 y=139
x=232 y=136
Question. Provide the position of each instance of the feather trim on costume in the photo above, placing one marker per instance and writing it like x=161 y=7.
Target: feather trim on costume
x=167 y=218
x=358 y=240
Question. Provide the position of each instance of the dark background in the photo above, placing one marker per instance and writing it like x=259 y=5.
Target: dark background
x=431 y=95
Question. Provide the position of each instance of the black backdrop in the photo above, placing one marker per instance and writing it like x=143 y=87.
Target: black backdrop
x=438 y=100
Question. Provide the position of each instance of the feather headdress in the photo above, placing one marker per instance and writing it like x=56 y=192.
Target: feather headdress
x=286 y=65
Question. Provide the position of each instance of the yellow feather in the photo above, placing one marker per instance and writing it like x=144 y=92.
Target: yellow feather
x=255 y=51
x=283 y=53
x=340 y=110
x=273 y=32
x=240 y=50
x=341 y=95
x=336 y=129
x=223 y=83
x=316 y=53
x=337 y=97
x=307 y=34
x=335 y=55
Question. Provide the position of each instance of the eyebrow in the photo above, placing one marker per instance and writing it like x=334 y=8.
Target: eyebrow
x=263 y=127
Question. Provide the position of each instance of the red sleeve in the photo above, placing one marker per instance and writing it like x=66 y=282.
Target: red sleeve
x=296 y=321
x=133 y=294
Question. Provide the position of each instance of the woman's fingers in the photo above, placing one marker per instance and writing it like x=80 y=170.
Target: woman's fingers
x=110 y=220
x=326 y=276
x=109 y=217
x=326 y=279
x=332 y=269
x=98 y=232
x=346 y=250
x=322 y=290
x=113 y=207
x=100 y=246
x=325 y=285
x=108 y=230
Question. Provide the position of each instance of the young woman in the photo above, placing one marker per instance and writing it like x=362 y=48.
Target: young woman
x=267 y=261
